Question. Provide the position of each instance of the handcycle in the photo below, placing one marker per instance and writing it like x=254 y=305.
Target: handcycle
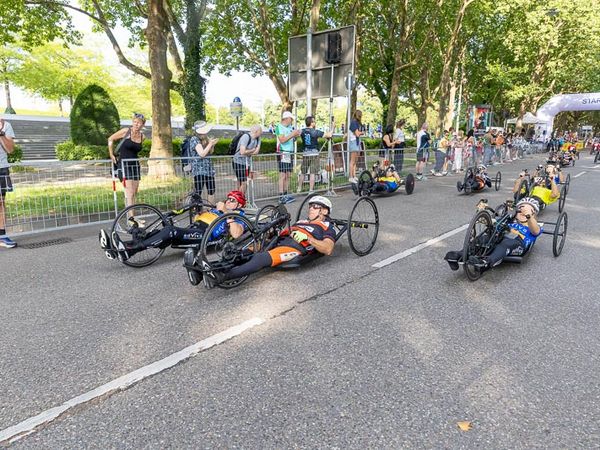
x=488 y=227
x=528 y=183
x=471 y=174
x=368 y=184
x=361 y=227
x=139 y=223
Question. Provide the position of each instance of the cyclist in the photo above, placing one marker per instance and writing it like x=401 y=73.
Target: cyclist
x=478 y=181
x=386 y=180
x=523 y=231
x=545 y=185
x=305 y=237
x=171 y=234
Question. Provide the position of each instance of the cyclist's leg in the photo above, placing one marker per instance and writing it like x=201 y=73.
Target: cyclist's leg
x=261 y=260
x=503 y=249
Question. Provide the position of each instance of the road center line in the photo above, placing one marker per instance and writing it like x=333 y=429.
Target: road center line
x=579 y=174
x=415 y=249
x=29 y=426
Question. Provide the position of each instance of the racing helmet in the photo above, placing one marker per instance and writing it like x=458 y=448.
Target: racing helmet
x=320 y=200
x=538 y=180
x=481 y=168
x=239 y=197
x=531 y=202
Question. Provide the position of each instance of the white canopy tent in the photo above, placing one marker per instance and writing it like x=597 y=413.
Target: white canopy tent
x=528 y=119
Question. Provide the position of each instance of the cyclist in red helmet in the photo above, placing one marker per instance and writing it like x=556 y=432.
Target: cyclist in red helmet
x=114 y=247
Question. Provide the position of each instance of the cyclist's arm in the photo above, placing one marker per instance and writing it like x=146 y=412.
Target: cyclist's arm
x=533 y=226
x=235 y=229
x=554 y=189
x=325 y=246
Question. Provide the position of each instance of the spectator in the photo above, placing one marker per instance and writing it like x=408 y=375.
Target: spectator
x=310 y=153
x=7 y=146
x=440 y=155
x=247 y=146
x=400 y=145
x=388 y=143
x=423 y=144
x=459 y=149
x=487 y=148
x=129 y=147
x=286 y=134
x=202 y=167
x=356 y=131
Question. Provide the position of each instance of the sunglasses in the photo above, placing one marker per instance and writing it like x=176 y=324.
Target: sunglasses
x=231 y=199
x=315 y=206
x=138 y=116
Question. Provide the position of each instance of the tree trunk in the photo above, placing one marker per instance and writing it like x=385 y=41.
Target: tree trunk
x=9 y=109
x=193 y=88
x=451 y=99
x=162 y=146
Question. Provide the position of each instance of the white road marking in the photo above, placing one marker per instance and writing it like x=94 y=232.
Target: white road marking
x=415 y=249
x=579 y=174
x=29 y=426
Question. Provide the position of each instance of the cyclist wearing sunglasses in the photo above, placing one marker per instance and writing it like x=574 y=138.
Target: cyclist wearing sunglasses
x=305 y=237
x=173 y=235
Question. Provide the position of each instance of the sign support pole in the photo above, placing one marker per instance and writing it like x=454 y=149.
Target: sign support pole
x=330 y=159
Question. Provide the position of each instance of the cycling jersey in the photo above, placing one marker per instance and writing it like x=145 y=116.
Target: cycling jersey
x=207 y=217
x=543 y=194
x=523 y=232
x=316 y=229
x=391 y=184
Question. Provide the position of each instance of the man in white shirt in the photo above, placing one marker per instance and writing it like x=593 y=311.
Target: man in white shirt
x=7 y=146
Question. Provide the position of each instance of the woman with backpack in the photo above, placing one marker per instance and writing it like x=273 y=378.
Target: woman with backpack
x=202 y=166
x=129 y=147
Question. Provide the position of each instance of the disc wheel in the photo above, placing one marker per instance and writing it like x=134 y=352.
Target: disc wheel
x=147 y=221
x=479 y=232
x=365 y=183
x=363 y=226
x=522 y=190
x=497 y=181
x=563 y=198
x=560 y=234
x=222 y=251
x=409 y=183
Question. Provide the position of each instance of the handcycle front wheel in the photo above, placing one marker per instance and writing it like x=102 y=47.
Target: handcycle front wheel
x=522 y=190
x=221 y=251
x=469 y=173
x=270 y=216
x=560 y=234
x=134 y=224
x=479 y=232
x=365 y=183
x=363 y=226
x=497 y=181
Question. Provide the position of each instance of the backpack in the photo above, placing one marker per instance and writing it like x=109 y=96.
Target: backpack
x=186 y=151
x=236 y=140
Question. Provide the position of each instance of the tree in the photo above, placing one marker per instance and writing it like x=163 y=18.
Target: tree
x=59 y=73
x=11 y=58
x=94 y=117
x=253 y=37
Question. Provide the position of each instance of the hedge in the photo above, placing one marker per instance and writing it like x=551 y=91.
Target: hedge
x=93 y=116
x=67 y=151
x=16 y=156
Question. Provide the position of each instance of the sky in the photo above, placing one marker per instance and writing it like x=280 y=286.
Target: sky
x=220 y=90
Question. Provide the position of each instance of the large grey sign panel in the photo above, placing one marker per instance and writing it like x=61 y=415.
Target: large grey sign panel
x=321 y=70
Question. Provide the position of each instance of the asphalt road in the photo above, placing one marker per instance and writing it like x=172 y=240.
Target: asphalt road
x=347 y=356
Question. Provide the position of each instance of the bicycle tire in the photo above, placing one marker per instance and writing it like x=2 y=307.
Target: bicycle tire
x=470 y=245
x=356 y=223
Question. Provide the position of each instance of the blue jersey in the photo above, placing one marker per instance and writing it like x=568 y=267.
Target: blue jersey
x=524 y=233
x=222 y=228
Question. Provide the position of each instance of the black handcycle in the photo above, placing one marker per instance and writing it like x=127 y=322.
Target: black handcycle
x=528 y=183
x=368 y=184
x=262 y=234
x=475 y=182
x=488 y=227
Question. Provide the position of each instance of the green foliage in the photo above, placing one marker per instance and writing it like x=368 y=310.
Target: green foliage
x=68 y=151
x=94 y=117
x=16 y=156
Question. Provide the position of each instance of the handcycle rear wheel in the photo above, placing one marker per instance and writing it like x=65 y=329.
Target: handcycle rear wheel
x=562 y=199
x=409 y=183
x=567 y=183
x=497 y=181
x=363 y=226
x=222 y=250
x=560 y=234
x=597 y=157
x=479 y=231
x=365 y=183
x=147 y=220
x=469 y=173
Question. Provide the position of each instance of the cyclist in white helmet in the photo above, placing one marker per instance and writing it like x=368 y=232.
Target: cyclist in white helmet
x=305 y=237
x=523 y=231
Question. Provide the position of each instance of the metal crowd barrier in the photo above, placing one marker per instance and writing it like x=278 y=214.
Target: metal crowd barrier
x=62 y=194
